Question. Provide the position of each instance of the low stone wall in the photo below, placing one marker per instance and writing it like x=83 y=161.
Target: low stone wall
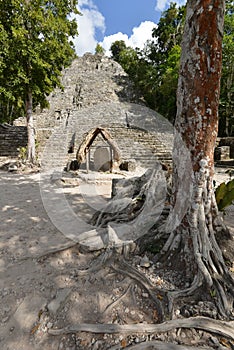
x=224 y=149
x=228 y=141
x=11 y=139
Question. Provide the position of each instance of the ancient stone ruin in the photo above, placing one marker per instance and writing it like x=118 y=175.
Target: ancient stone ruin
x=12 y=138
x=224 y=152
x=98 y=94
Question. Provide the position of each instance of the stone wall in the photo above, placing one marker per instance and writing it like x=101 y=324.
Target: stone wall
x=224 y=149
x=11 y=139
x=228 y=141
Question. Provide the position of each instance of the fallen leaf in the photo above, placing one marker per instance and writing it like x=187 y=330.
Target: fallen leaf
x=155 y=314
x=35 y=328
x=225 y=343
x=160 y=297
x=124 y=343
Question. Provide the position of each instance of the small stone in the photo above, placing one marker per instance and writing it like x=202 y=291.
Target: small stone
x=12 y=167
x=145 y=262
x=145 y=295
x=6 y=309
x=127 y=310
x=5 y=319
x=214 y=341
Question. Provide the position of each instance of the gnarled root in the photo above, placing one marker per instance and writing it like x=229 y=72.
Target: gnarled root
x=191 y=246
x=195 y=242
x=225 y=329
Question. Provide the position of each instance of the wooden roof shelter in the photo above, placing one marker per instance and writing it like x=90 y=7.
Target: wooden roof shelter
x=88 y=140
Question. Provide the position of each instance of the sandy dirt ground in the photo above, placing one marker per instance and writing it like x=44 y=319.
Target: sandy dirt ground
x=39 y=285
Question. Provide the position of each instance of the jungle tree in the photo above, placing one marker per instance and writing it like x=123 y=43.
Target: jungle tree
x=194 y=219
x=226 y=122
x=194 y=223
x=36 y=46
x=154 y=69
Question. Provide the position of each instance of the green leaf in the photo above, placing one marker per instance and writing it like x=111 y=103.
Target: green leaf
x=225 y=194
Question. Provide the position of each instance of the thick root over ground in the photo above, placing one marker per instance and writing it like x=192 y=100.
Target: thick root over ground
x=191 y=246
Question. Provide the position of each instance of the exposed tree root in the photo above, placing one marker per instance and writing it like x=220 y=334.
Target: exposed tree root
x=191 y=244
x=157 y=345
x=54 y=251
x=98 y=264
x=195 y=242
x=139 y=203
x=114 y=303
x=156 y=295
x=225 y=329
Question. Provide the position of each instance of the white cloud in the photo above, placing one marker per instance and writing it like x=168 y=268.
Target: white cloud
x=161 y=5
x=108 y=40
x=90 y=20
x=141 y=34
x=138 y=38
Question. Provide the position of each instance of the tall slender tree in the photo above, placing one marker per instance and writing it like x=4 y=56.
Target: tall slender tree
x=194 y=219
x=37 y=45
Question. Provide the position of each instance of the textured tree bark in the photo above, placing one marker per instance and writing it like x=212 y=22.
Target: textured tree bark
x=194 y=218
x=31 y=153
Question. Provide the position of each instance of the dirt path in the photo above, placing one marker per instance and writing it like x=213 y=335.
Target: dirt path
x=40 y=287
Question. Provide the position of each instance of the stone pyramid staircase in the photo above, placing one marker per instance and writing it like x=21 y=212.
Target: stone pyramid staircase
x=98 y=93
x=134 y=143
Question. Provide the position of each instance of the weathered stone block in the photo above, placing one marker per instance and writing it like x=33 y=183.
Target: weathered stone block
x=222 y=153
x=128 y=165
x=73 y=165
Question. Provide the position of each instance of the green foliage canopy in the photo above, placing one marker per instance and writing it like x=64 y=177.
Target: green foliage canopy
x=227 y=82
x=99 y=49
x=35 y=45
x=155 y=69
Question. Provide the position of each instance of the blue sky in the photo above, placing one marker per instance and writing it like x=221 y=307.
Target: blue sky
x=105 y=21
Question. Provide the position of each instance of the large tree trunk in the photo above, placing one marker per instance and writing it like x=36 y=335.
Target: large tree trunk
x=31 y=153
x=194 y=218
